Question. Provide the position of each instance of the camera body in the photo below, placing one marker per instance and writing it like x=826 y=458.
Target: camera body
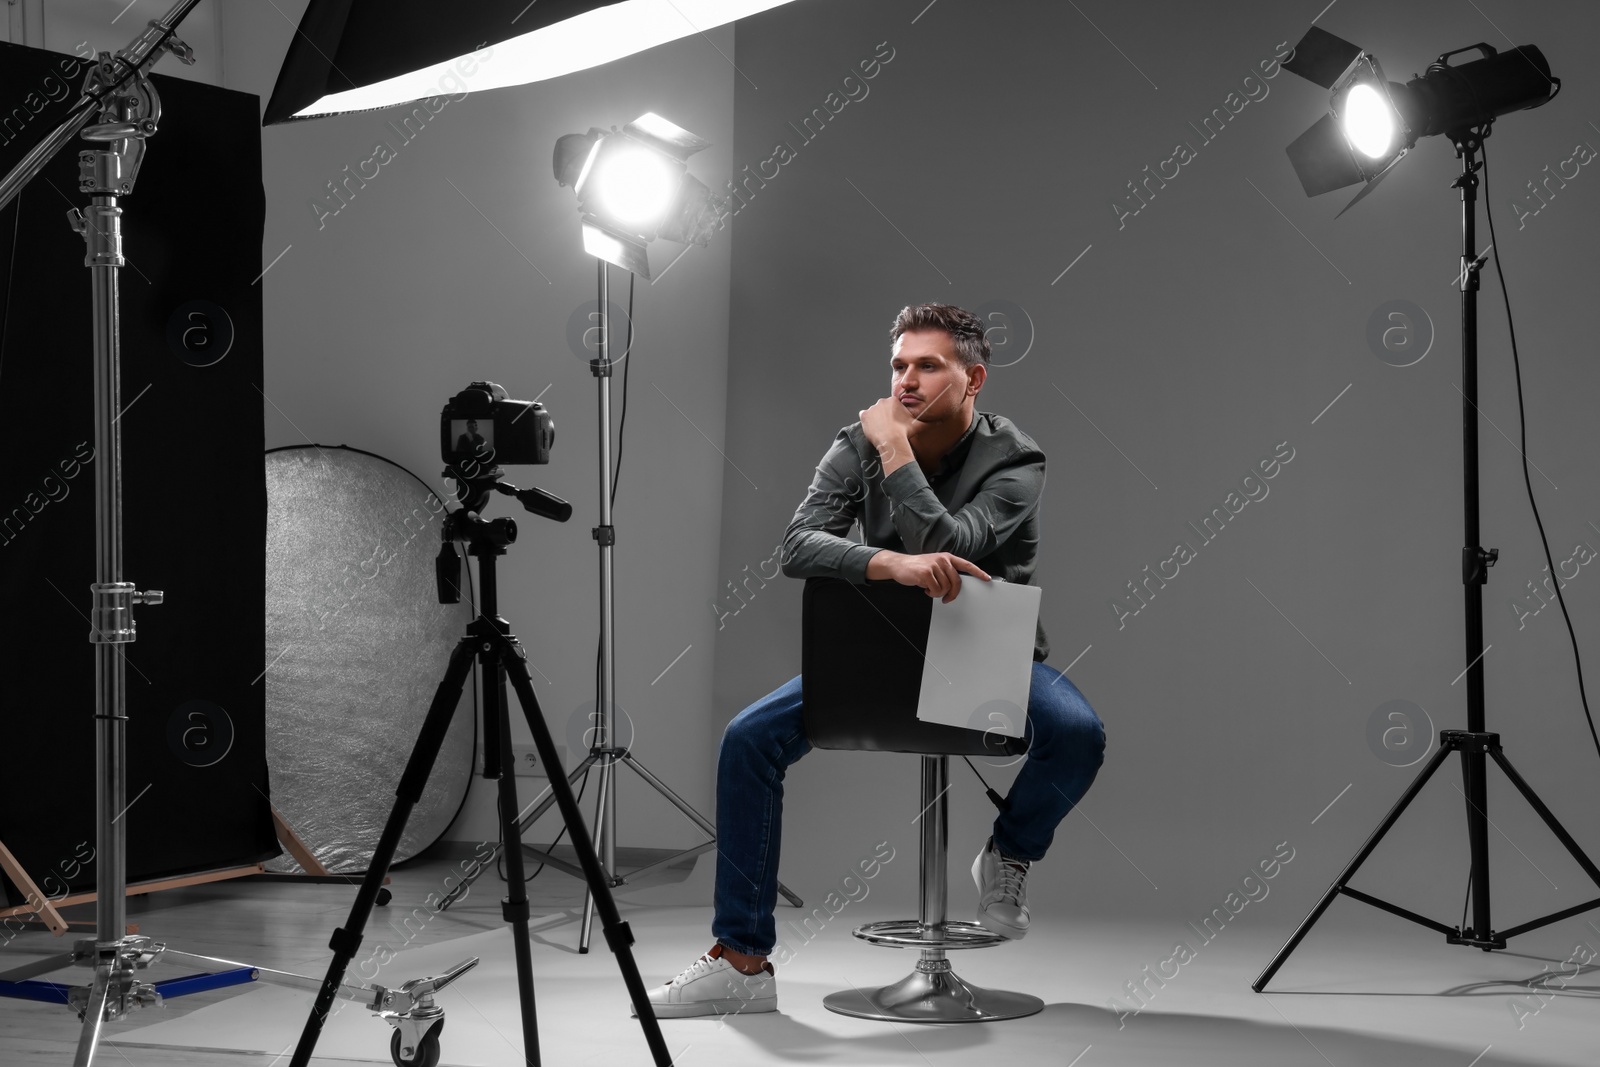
x=479 y=429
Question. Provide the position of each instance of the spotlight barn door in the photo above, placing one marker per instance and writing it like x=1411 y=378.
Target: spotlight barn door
x=194 y=492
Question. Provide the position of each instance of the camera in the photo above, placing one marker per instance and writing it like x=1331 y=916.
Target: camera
x=479 y=429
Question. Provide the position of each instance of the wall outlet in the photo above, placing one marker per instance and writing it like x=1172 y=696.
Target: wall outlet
x=526 y=759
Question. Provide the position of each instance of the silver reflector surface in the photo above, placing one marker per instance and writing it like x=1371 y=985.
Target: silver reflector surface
x=357 y=641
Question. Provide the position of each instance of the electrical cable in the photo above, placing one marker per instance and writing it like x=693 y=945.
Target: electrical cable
x=994 y=798
x=622 y=422
x=1522 y=419
x=500 y=861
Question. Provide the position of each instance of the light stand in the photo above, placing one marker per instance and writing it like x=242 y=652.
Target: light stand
x=1475 y=745
x=118 y=93
x=604 y=751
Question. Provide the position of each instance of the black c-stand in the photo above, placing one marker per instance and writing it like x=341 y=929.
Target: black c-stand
x=1475 y=744
x=498 y=651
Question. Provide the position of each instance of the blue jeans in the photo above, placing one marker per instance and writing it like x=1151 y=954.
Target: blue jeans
x=1066 y=747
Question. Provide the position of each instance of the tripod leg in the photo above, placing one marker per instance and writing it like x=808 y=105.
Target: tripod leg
x=584 y=928
x=347 y=939
x=603 y=845
x=1350 y=869
x=1547 y=815
x=1476 y=794
x=672 y=798
x=515 y=905
x=693 y=816
x=617 y=933
x=94 y=1016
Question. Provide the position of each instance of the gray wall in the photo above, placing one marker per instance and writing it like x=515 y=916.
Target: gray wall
x=1183 y=345
x=1181 y=348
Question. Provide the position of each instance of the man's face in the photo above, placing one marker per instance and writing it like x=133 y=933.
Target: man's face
x=472 y=425
x=924 y=366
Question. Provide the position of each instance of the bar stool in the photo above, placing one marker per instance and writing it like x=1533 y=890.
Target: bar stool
x=862 y=654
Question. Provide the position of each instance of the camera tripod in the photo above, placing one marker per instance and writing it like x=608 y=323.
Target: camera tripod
x=490 y=640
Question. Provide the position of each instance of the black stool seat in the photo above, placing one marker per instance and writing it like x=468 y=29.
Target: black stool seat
x=862 y=650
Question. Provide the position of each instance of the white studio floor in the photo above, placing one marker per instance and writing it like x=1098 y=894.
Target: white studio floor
x=1365 y=988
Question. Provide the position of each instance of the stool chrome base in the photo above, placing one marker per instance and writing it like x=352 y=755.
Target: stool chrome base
x=933 y=993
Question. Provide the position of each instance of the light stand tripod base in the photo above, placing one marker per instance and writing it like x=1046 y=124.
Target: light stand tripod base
x=933 y=993
x=1475 y=749
x=542 y=803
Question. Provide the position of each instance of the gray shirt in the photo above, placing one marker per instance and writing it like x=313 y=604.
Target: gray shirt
x=980 y=502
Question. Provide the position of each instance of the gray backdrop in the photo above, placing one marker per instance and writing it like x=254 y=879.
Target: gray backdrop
x=1183 y=345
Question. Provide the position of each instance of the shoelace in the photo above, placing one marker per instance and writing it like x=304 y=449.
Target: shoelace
x=1012 y=880
x=699 y=967
x=703 y=966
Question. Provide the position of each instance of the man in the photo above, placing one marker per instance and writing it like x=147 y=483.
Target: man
x=941 y=490
x=471 y=443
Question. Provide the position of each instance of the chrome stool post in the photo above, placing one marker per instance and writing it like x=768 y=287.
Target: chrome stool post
x=932 y=993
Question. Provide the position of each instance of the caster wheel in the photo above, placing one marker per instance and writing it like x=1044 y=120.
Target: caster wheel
x=427 y=1051
x=384 y=896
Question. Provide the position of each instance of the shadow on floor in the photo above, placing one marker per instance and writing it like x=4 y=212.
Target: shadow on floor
x=1063 y=1032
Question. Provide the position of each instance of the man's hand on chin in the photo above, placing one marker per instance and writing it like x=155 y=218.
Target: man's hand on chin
x=889 y=423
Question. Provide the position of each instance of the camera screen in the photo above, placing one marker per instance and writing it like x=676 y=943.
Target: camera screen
x=472 y=438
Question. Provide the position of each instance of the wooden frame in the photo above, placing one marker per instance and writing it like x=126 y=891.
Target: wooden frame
x=42 y=908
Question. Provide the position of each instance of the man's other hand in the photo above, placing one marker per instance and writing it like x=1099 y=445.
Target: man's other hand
x=936 y=573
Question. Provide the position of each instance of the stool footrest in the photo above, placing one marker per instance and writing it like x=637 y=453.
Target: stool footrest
x=910 y=933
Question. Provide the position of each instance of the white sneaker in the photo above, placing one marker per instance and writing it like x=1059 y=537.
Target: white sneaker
x=713 y=986
x=1002 y=893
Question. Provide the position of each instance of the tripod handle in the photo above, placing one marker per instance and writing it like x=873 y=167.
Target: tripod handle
x=539 y=502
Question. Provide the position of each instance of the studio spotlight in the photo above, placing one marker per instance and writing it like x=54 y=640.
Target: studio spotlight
x=1370 y=125
x=633 y=186
x=1373 y=122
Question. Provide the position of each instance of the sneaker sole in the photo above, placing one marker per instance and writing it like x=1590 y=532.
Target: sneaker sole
x=712 y=1007
x=995 y=926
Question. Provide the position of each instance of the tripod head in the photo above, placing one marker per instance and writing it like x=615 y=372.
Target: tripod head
x=485 y=538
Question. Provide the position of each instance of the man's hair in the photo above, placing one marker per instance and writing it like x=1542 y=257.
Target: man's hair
x=964 y=328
